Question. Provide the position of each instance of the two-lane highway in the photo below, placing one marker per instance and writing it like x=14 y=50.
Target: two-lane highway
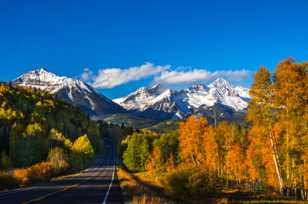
x=97 y=184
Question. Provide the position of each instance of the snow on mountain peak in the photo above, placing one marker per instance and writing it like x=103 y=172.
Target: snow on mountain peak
x=221 y=83
x=141 y=98
x=220 y=91
x=38 y=75
x=48 y=81
x=69 y=89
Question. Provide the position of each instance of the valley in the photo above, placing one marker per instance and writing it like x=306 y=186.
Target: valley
x=206 y=143
x=153 y=102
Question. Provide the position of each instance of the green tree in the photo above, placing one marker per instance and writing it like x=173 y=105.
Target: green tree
x=137 y=153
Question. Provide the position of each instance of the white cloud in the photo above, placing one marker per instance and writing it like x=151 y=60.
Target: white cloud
x=87 y=74
x=112 y=77
x=198 y=75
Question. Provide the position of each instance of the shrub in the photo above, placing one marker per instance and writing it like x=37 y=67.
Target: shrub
x=202 y=183
x=58 y=158
x=5 y=161
x=21 y=176
x=176 y=183
x=77 y=161
x=7 y=180
x=40 y=172
x=191 y=183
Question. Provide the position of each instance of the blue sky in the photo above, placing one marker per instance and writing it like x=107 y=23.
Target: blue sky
x=178 y=38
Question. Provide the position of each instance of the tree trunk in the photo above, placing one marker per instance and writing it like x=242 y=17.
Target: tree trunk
x=275 y=157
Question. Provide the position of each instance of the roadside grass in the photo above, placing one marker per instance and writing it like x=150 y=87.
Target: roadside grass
x=149 y=199
x=139 y=188
x=21 y=177
x=249 y=197
x=272 y=201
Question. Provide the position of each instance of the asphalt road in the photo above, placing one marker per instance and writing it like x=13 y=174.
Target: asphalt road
x=97 y=184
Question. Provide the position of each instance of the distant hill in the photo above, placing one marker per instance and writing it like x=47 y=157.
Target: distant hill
x=131 y=119
x=166 y=126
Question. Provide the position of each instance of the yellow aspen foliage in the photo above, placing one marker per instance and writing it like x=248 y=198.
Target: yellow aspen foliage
x=171 y=163
x=234 y=162
x=211 y=149
x=83 y=145
x=154 y=163
x=269 y=164
x=249 y=162
x=191 y=140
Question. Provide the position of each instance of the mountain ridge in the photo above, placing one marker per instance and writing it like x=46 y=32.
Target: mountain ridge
x=219 y=100
x=70 y=90
x=183 y=102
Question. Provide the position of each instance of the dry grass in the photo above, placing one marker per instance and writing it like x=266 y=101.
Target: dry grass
x=137 y=188
x=149 y=199
x=137 y=191
x=39 y=172
x=21 y=176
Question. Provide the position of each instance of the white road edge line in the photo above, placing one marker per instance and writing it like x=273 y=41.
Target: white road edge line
x=110 y=185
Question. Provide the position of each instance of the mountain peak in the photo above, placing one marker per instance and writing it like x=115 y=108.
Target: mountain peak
x=70 y=90
x=198 y=87
x=155 y=89
x=186 y=101
x=40 y=74
x=155 y=86
x=41 y=70
x=220 y=82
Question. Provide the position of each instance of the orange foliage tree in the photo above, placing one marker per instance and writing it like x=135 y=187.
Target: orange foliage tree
x=191 y=133
x=211 y=149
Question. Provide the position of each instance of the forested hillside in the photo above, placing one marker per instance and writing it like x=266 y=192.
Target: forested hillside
x=35 y=127
x=266 y=154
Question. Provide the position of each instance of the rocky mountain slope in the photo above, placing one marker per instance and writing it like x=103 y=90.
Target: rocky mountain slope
x=71 y=90
x=218 y=99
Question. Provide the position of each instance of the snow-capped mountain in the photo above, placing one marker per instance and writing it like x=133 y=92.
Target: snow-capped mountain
x=71 y=90
x=140 y=99
x=196 y=99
